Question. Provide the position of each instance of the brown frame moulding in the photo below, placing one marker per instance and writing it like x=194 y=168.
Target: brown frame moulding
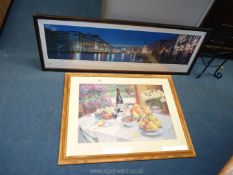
x=48 y=63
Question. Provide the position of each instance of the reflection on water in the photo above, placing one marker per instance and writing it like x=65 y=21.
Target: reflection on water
x=114 y=57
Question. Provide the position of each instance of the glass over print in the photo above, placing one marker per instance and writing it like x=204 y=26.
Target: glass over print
x=115 y=45
x=68 y=43
x=121 y=117
x=142 y=115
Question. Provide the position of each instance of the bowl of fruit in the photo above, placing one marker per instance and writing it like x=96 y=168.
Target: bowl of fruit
x=150 y=126
x=138 y=112
x=105 y=113
x=128 y=121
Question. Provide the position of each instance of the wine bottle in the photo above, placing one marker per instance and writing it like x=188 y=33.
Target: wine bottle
x=119 y=100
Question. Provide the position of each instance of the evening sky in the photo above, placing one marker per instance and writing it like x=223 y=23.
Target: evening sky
x=117 y=36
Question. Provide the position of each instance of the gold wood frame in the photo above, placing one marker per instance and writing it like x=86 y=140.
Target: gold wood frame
x=63 y=159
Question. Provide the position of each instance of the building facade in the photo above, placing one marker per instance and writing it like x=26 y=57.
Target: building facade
x=177 y=50
x=74 y=41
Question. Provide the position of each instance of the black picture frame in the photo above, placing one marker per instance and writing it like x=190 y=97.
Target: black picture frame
x=58 y=60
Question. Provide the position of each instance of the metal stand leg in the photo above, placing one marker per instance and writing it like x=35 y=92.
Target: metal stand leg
x=203 y=60
x=209 y=62
x=218 y=74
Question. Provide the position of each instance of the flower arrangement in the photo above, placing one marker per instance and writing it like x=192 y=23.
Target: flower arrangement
x=154 y=97
x=93 y=96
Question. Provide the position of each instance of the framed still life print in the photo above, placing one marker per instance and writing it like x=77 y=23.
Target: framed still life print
x=70 y=43
x=121 y=117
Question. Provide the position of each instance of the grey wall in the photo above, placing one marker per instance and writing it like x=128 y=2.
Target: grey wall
x=178 y=12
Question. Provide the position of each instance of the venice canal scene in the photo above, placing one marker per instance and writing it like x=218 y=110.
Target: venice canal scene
x=116 y=45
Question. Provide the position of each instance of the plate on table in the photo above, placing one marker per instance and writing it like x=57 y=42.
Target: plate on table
x=152 y=133
x=128 y=121
x=105 y=113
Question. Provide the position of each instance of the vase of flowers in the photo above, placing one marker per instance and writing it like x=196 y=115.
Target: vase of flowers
x=154 y=99
x=92 y=97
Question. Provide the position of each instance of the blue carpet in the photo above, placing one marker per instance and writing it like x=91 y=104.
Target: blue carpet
x=31 y=102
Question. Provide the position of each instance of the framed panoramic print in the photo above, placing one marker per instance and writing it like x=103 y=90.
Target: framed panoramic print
x=68 y=43
x=121 y=117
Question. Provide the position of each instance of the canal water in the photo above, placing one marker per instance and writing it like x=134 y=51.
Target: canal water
x=116 y=57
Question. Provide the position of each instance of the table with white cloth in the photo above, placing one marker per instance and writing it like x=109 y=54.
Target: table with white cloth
x=114 y=130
